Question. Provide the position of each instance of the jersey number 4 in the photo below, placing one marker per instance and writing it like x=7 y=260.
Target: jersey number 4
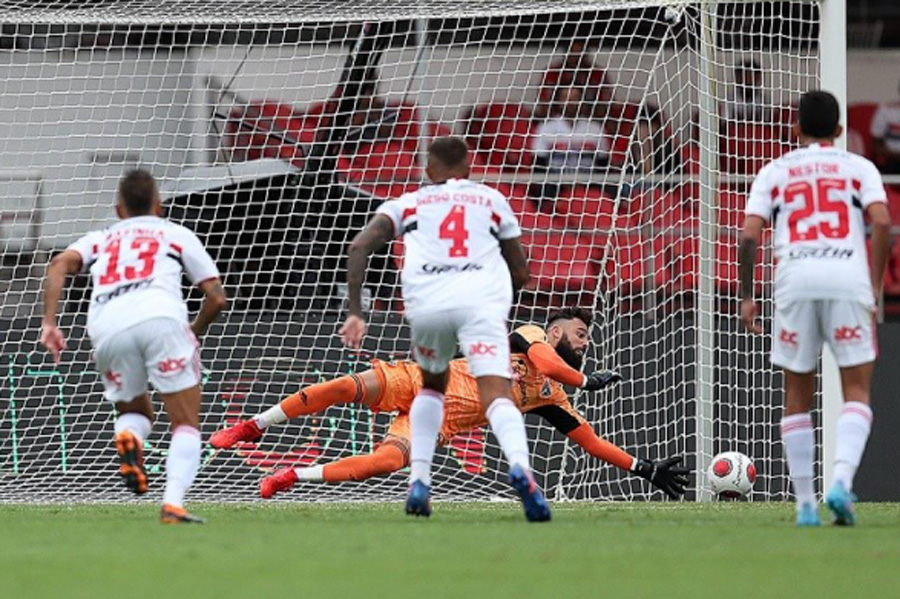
x=816 y=201
x=454 y=228
x=146 y=248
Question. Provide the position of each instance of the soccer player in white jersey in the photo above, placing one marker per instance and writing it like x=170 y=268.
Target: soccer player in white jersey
x=138 y=326
x=817 y=199
x=463 y=258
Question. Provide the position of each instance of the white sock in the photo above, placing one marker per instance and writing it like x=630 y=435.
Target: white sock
x=313 y=474
x=799 y=449
x=425 y=419
x=182 y=464
x=136 y=424
x=508 y=426
x=853 y=428
x=274 y=415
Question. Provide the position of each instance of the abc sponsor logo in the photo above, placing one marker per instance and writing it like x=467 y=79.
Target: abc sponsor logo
x=424 y=352
x=848 y=334
x=482 y=349
x=788 y=337
x=172 y=365
x=114 y=378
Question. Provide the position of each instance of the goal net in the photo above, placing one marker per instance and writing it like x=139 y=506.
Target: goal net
x=275 y=128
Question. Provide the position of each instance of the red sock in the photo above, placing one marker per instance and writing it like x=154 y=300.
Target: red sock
x=317 y=398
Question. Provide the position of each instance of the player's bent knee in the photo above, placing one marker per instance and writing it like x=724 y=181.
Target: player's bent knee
x=392 y=458
x=183 y=407
x=492 y=387
x=139 y=405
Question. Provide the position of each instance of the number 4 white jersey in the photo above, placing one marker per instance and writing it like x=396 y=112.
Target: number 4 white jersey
x=136 y=267
x=816 y=198
x=452 y=234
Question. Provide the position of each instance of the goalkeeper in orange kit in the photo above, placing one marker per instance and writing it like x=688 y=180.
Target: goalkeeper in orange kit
x=541 y=360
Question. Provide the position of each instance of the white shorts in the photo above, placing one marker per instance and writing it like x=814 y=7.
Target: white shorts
x=161 y=350
x=802 y=326
x=481 y=334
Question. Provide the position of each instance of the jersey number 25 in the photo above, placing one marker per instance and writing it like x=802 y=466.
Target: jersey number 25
x=816 y=201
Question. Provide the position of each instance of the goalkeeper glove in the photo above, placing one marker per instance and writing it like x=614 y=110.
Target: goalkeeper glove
x=601 y=380
x=666 y=475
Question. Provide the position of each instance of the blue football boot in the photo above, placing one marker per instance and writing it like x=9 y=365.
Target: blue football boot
x=808 y=515
x=840 y=501
x=417 y=502
x=536 y=507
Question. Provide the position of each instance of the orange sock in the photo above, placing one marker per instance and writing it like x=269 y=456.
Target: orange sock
x=386 y=459
x=317 y=398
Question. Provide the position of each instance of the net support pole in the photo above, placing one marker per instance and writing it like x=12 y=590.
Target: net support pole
x=424 y=97
x=833 y=78
x=709 y=159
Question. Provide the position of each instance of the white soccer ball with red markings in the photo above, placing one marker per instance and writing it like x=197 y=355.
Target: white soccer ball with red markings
x=731 y=475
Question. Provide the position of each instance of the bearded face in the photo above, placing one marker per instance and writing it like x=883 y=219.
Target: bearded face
x=569 y=354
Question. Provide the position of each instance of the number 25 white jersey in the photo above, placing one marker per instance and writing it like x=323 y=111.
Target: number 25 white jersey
x=136 y=267
x=452 y=234
x=816 y=198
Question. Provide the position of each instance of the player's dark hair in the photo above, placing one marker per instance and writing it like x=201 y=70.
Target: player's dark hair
x=137 y=192
x=570 y=313
x=820 y=114
x=449 y=152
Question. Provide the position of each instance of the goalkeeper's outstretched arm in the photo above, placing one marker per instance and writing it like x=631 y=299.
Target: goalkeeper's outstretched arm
x=668 y=475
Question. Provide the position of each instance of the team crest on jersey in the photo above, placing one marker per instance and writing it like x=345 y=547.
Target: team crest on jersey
x=547 y=389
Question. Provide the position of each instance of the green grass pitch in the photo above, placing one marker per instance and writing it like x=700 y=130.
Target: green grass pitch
x=472 y=551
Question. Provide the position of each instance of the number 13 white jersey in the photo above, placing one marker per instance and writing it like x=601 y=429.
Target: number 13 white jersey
x=452 y=234
x=816 y=198
x=136 y=267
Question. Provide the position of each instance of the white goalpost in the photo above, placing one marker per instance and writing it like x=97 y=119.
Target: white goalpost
x=275 y=128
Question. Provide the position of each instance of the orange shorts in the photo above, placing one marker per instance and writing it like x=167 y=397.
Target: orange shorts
x=399 y=382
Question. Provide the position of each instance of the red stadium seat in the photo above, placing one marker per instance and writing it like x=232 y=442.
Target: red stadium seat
x=727 y=280
x=439 y=130
x=690 y=158
x=677 y=265
x=398 y=252
x=859 y=118
x=501 y=135
x=619 y=124
x=383 y=161
x=563 y=261
x=621 y=118
x=586 y=208
x=893 y=198
x=675 y=210
x=784 y=118
x=630 y=272
x=270 y=130
x=676 y=261
x=746 y=148
x=385 y=190
x=892 y=273
x=731 y=208
x=529 y=215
